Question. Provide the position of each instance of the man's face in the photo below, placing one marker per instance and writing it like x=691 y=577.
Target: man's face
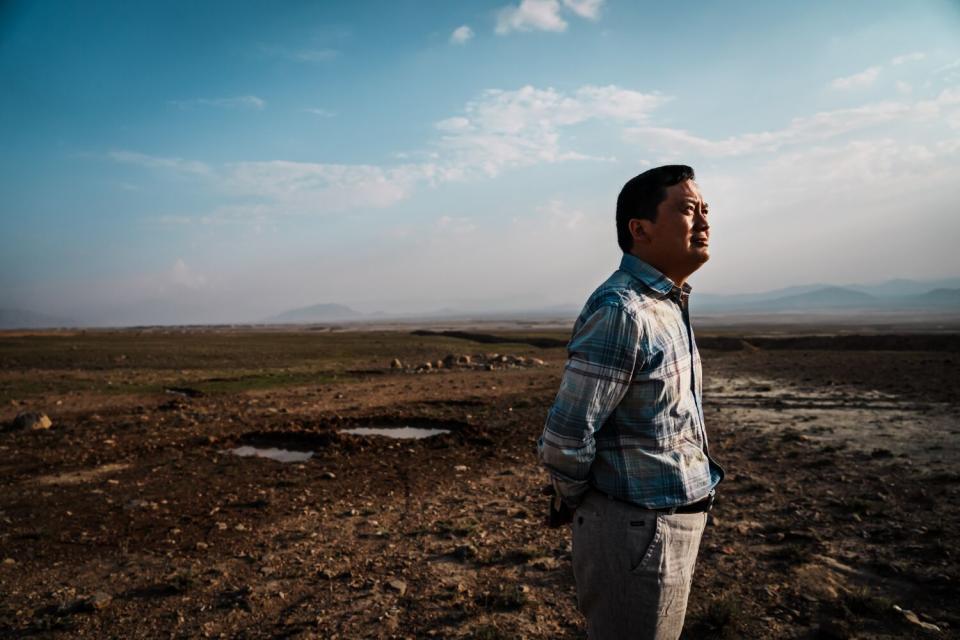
x=679 y=239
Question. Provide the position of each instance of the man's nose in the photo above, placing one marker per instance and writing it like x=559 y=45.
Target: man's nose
x=701 y=223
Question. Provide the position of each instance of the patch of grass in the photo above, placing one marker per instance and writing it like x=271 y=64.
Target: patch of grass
x=720 y=620
x=460 y=529
x=866 y=604
x=503 y=598
x=860 y=506
x=489 y=632
x=792 y=554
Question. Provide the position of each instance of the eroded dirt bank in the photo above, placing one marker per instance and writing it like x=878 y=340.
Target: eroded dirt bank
x=131 y=518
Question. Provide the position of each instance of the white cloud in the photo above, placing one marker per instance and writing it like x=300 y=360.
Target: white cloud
x=589 y=9
x=950 y=66
x=315 y=55
x=531 y=15
x=916 y=56
x=455 y=225
x=904 y=87
x=237 y=102
x=497 y=130
x=155 y=162
x=304 y=187
x=301 y=55
x=183 y=276
x=323 y=113
x=461 y=35
x=858 y=80
x=804 y=130
x=559 y=215
x=523 y=127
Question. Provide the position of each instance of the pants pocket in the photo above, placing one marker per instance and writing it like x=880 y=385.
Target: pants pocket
x=643 y=538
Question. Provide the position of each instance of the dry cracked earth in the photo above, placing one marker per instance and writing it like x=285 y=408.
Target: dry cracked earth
x=133 y=516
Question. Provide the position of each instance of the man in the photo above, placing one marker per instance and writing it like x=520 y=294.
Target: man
x=624 y=441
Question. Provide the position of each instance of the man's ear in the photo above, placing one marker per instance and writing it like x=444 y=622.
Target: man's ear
x=641 y=230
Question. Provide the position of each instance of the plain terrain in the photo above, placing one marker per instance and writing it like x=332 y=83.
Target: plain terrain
x=131 y=518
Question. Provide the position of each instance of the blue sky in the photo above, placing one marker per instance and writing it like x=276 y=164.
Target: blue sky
x=225 y=161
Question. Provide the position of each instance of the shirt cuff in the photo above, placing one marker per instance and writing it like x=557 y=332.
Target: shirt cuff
x=570 y=490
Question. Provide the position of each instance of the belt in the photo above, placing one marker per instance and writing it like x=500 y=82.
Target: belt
x=694 y=507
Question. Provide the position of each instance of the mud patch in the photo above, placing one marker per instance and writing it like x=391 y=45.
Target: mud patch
x=79 y=477
x=297 y=441
x=400 y=433
x=271 y=453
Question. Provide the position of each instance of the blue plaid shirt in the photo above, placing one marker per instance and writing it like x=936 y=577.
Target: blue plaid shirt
x=628 y=419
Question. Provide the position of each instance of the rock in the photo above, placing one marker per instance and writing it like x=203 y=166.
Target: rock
x=328 y=475
x=463 y=360
x=537 y=362
x=30 y=420
x=460 y=468
x=465 y=552
x=397 y=585
x=100 y=600
x=95 y=602
x=912 y=618
x=396 y=364
x=9 y=561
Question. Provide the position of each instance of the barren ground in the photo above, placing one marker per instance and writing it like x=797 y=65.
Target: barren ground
x=130 y=518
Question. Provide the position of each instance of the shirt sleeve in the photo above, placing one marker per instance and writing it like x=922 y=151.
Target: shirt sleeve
x=602 y=356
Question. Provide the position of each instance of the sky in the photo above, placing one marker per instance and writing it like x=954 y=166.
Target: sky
x=227 y=161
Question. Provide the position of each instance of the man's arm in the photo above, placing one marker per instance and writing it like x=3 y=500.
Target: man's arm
x=603 y=355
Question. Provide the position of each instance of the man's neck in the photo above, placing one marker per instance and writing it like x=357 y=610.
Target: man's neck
x=678 y=279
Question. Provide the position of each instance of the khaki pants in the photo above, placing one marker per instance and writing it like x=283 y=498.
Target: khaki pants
x=633 y=568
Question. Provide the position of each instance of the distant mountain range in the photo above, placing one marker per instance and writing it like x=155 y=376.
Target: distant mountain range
x=894 y=296
x=316 y=313
x=22 y=319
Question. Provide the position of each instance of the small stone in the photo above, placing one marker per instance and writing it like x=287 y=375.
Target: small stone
x=912 y=618
x=427 y=366
x=9 y=561
x=465 y=552
x=98 y=601
x=537 y=362
x=463 y=360
x=31 y=420
x=397 y=585
x=460 y=468
x=328 y=475
x=396 y=364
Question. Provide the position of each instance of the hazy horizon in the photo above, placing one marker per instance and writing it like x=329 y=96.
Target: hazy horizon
x=227 y=162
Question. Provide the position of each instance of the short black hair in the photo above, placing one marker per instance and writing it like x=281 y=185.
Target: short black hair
x=641 y=196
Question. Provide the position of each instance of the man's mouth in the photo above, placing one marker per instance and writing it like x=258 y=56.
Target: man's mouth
x=700 y=242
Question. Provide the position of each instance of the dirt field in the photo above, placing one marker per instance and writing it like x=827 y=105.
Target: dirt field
x=132 y=517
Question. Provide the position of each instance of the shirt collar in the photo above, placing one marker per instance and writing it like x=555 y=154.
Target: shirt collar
x=653 y=279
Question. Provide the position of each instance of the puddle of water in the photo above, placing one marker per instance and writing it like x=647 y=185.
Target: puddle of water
x=280 y=455
x=857 y=418
x=402 y=433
